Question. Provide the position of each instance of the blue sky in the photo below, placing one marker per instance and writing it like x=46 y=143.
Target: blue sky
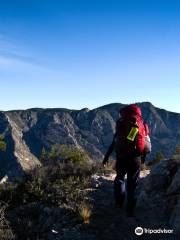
x=87 y=53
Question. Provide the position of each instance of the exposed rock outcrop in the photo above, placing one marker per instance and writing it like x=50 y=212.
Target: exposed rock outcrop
x=22 y=152
x=160 y=193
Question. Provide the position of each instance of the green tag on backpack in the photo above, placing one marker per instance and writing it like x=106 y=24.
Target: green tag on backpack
x=132 y=134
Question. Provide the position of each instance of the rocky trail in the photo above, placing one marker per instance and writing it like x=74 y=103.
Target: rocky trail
x=111 y=223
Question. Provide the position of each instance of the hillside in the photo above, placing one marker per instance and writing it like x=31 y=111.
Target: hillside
x=27 y=132
x=72 y=202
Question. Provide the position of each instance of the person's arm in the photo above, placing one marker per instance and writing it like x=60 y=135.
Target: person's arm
x=109 y=151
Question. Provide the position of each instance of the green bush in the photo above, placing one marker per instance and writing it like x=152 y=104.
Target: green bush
x=65 y=172
x=177 y=150
x=176 y=155
x=61 y=153
x=55 y=186
x=2 y=143
x=6 y=232
x=63 y=181
x=159 y=157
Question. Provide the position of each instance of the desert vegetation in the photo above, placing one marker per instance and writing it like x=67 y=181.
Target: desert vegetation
x=54 y=195
x=2 y=143
x=59 y=198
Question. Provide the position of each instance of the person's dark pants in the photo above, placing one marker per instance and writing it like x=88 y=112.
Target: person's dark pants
x=130 y=165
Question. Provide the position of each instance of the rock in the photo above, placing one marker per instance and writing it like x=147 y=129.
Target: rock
x=160 y=193
x=4 y=179
x=175 y=217
x=47 y=210
x=160 y=177
x=174 y=188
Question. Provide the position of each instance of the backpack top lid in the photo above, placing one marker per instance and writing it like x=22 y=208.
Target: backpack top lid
x=131 y=111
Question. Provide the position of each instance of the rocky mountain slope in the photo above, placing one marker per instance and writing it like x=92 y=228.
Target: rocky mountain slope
x=28 y=131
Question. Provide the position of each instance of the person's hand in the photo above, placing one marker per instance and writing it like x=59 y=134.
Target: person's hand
x=105 y=162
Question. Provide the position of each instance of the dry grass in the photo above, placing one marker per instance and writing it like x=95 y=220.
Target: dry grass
x=6 y=232
x=176 y=158
x=85 y=212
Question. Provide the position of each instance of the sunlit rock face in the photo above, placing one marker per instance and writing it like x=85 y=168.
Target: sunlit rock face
x=28 y=131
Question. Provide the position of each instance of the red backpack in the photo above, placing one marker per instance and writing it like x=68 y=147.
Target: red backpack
x=130 y=131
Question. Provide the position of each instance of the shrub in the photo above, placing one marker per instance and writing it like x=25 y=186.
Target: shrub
x=6 y=232
x=177 y=150
x=85 y=212
x=63 y=182
x=159 y=157
x=176 y=155
x=61 y=153
x=2 y=143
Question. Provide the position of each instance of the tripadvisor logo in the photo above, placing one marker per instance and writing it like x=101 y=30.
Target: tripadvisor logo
x=139 y=231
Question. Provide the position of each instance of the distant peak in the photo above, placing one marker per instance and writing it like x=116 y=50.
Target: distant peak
x=85 y=109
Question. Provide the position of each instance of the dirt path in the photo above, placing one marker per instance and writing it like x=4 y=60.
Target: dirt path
x=111 y=223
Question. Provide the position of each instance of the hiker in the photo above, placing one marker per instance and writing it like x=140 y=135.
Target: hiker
x=129 y=144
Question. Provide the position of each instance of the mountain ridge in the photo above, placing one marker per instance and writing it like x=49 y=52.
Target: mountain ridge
x=91 y=130
x=104 y=105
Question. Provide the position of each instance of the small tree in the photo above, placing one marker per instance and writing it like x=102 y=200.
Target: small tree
x=2 y=143
x=61 y=153
x=176 y=155
x=177 y=150
x=159 y=156
x=44 y=155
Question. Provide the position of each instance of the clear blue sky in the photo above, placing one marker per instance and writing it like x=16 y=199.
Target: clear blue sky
x=87 y=53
